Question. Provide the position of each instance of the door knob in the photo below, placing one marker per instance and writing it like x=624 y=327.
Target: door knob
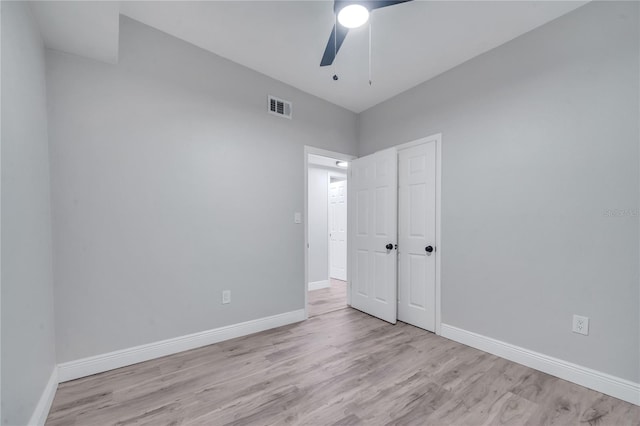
x=428 y=249
x=389 y=246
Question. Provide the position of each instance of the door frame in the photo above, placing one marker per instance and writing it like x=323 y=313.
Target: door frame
x=437 y=138
x=338 y=156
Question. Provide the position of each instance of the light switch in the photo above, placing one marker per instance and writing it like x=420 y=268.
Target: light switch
x=297 y=217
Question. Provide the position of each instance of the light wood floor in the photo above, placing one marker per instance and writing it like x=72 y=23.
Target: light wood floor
x=343 y=367
x=328 y=299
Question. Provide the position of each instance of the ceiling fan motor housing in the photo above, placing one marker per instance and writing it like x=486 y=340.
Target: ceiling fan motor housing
x=339 y=4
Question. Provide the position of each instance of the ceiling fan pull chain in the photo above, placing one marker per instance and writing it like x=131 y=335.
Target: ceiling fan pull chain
x=335 y=45
x=370 y=30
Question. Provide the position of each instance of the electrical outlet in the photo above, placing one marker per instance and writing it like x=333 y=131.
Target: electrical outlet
x=580 y=325
x=226 y=296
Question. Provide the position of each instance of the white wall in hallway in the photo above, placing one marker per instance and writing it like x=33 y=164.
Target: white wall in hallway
x=318 y=179
x=318 y=225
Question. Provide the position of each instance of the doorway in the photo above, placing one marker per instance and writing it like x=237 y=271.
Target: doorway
x=326 y=235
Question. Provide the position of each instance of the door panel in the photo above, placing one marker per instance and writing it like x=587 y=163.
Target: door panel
x=374 y=183
x=362 y=270
x=417 y=277
x=417 y=205
x=362 y=208
x=338 y=230
x=416 y=230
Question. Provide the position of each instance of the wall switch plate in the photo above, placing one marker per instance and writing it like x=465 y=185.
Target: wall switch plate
x=580 y=325
x=297 y=217
x=226 y=296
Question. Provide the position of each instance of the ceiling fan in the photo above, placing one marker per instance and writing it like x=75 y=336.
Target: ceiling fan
x=350 y=14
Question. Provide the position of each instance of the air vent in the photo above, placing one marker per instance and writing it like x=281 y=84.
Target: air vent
x=279 y=107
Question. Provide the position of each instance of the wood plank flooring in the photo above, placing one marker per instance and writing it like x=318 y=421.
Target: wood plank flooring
x=340 y=368
x=327 y=299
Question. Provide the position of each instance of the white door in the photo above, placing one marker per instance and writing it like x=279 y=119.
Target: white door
x=373 y=208
x=338 y=230
x=417 y=235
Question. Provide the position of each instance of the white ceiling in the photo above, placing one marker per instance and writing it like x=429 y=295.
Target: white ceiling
x=85 y=28
x=319 y=160
x=412 y=42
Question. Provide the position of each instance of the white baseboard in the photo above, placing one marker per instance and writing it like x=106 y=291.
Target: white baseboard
x=100 y=363
x=317 y=285
x=583 y=376
x=39 y=416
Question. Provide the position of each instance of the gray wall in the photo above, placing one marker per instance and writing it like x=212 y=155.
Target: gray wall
x=170 y=183
x=28 y=353
x=318 y=179
x=540 y=139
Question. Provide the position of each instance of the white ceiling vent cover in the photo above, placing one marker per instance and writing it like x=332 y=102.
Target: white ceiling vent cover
x=279 y=107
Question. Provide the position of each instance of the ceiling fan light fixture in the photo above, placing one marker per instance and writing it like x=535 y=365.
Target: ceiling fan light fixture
x=353 y=16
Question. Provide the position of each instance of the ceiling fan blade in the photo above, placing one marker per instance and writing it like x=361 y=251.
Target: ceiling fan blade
x=333 y=45
x=377 y=4
x=338 y=34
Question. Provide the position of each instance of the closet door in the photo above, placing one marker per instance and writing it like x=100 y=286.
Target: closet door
x=417 y=235
x=373 y=208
